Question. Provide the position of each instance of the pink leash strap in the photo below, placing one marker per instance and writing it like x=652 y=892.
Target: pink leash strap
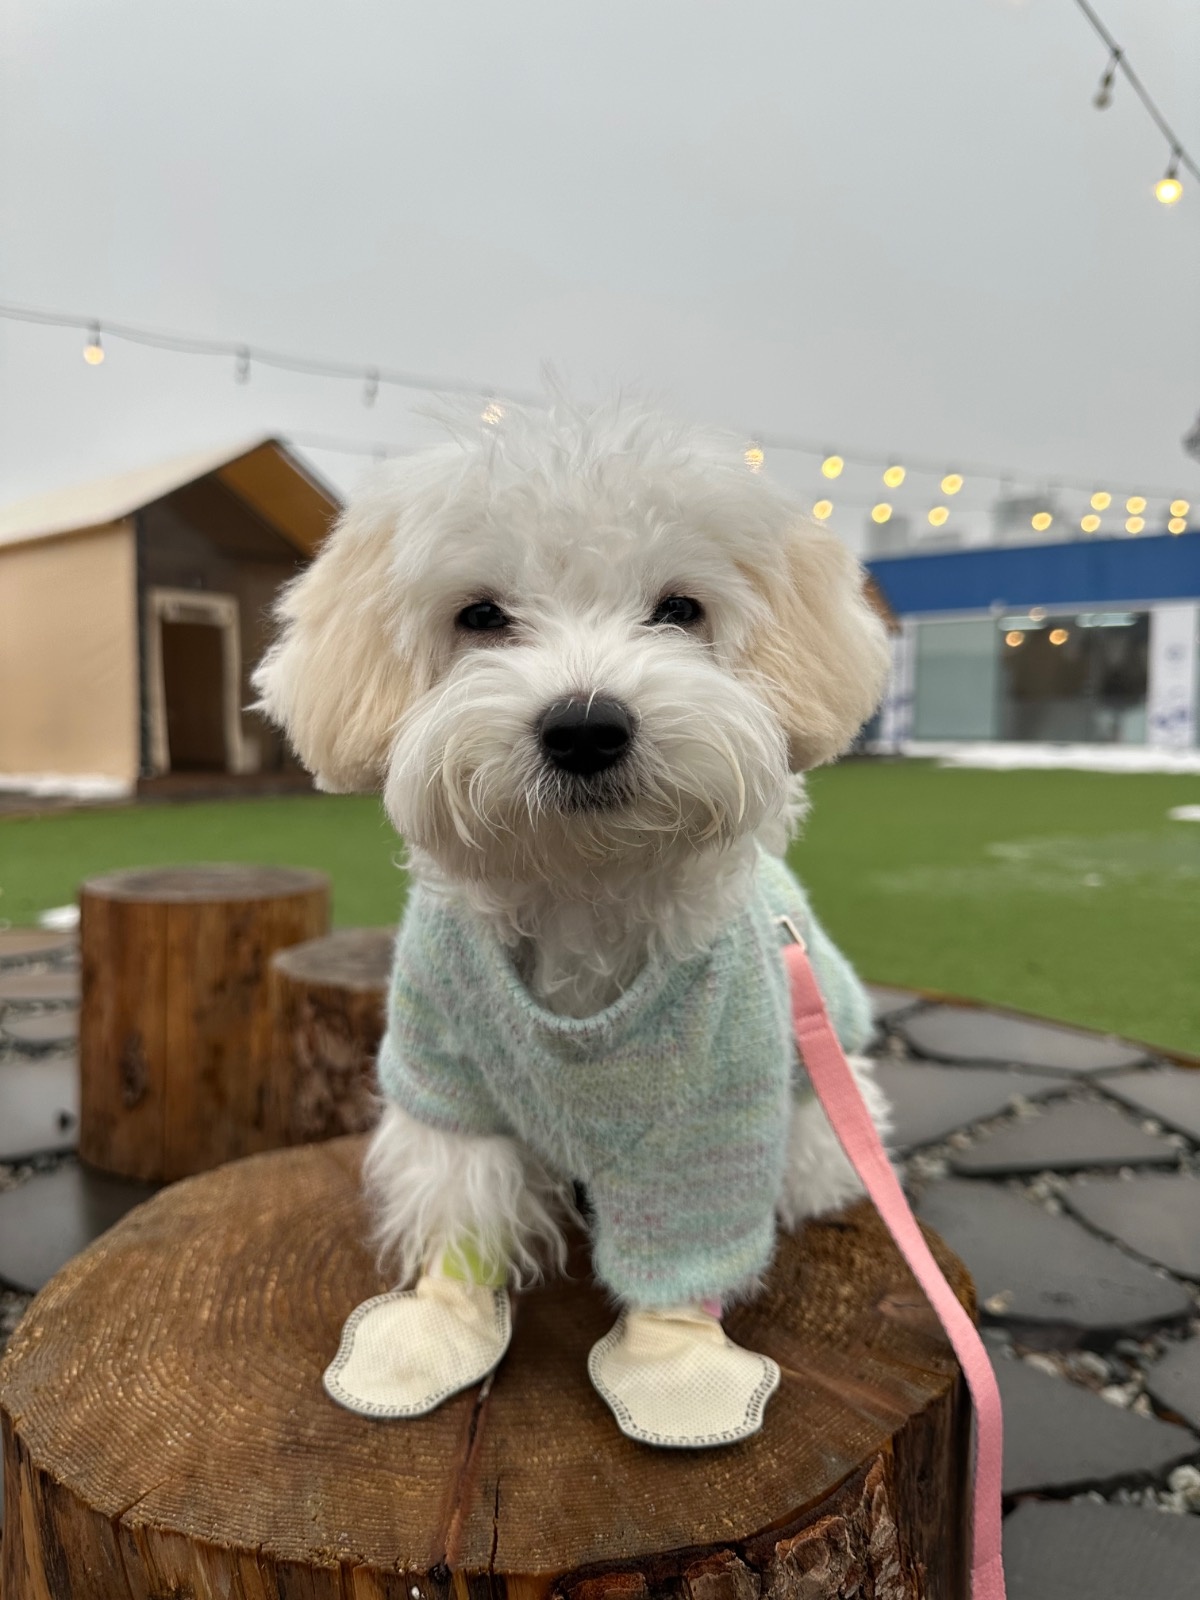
x=842 y=1100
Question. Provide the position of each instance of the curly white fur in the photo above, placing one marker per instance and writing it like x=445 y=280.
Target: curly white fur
x=432 y=1192
x=818 y=1177
x=576 y=523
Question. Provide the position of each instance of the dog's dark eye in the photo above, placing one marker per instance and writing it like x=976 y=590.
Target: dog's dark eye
x=482 y=616
x=678 y=611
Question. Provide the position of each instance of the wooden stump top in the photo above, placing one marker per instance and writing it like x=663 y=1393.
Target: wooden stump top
x=359 y=959
x=205 y=882
x=163 y=1407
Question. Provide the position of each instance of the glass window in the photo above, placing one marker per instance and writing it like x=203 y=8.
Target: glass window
x=956 y=678
x=1074 y=679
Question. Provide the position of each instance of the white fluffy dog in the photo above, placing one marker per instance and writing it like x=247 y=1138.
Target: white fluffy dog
x=585 y=655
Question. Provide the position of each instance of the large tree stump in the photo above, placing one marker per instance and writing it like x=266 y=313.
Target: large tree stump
x=177 y=1039
x=330 y=998
x=166 y=1433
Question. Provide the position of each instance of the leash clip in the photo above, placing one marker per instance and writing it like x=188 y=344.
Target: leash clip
x=790 y=928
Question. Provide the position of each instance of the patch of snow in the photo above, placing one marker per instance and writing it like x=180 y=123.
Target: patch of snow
x=76 y=786
x=1078 y=757
x=60 y=919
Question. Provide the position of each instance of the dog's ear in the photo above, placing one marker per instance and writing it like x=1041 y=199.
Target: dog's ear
x=334 y=679
x=822 y=657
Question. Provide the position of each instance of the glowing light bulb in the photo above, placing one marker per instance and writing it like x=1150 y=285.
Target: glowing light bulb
x=754 y=457
x=823 y=510
x=938 y=515
x=1136 y=504
x=1167 y=190
x=881 y=512
x=1014 y=639
x=492 y=413
x=832 y=466
x=952 y=483
x=1135 y=524
x=1059 y=636
x=1041 y=520
x=93 y=350
x=1180 y=508
x=1090 y=523
x=1178 y=525
x=894 y=477
x=1101 y=501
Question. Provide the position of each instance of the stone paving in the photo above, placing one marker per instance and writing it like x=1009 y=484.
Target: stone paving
x=1063 y=1167
x=1077 y=1209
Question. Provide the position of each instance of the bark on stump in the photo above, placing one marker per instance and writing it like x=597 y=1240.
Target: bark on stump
x=330 y=999
x=166 y=1433
x=177 y=1040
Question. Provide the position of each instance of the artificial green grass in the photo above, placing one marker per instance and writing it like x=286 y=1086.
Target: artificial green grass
x=43 y=859
x=1069 y=894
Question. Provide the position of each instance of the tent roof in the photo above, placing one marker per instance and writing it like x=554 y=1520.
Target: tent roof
x=263 y=472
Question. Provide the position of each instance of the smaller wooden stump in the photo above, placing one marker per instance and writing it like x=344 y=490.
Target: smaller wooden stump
x=177 y=1039
x=330 y=1004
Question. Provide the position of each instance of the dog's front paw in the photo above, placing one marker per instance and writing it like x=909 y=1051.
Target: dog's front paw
x=671 y=1377
x=403 y=1353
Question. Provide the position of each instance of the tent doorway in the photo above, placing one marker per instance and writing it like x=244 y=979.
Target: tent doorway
x=193 y=696
x=193 y=673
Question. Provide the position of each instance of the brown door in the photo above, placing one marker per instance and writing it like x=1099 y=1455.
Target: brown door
x=194 y=689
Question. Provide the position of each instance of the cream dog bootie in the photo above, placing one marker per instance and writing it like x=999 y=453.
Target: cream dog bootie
x=402 y=1354
x=672 y=1377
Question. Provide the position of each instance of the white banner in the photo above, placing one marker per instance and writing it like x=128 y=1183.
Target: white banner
x=1174 y=668
x=895 y=714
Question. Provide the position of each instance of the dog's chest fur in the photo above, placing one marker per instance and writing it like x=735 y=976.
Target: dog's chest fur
x=579 y=946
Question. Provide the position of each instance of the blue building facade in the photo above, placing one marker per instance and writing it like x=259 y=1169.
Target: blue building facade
x=1091 y=642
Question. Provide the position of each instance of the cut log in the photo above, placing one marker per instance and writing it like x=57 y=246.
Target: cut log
x=330 y=1003
x=166 y=1432
x=177 y=1038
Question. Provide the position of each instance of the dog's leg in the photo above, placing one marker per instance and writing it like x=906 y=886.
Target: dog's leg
x=471 y=1203
x=464 y=1217
x=818 y=1177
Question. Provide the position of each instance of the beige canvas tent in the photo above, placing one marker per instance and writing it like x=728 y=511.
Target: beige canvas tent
x=132 y=611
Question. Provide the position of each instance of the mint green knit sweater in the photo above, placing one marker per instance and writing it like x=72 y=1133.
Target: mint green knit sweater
x=671 y=1105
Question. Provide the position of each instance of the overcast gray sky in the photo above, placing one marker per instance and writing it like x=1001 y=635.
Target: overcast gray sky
x=892 y=226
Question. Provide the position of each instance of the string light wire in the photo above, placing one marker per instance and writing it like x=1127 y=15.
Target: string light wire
x=371 y=378
x=309 y=366
x=1118 y=61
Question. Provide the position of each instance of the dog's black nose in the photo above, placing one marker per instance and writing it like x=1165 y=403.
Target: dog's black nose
x=585 y=736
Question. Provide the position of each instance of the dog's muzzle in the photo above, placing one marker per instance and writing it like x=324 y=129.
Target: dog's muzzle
x=585 y=736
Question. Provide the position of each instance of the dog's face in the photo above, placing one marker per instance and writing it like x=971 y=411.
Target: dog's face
x=573 y=639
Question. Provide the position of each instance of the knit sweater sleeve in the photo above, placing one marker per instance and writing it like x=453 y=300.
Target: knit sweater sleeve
x=426 y=1065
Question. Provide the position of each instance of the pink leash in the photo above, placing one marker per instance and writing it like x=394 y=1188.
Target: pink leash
x=839 y=1094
